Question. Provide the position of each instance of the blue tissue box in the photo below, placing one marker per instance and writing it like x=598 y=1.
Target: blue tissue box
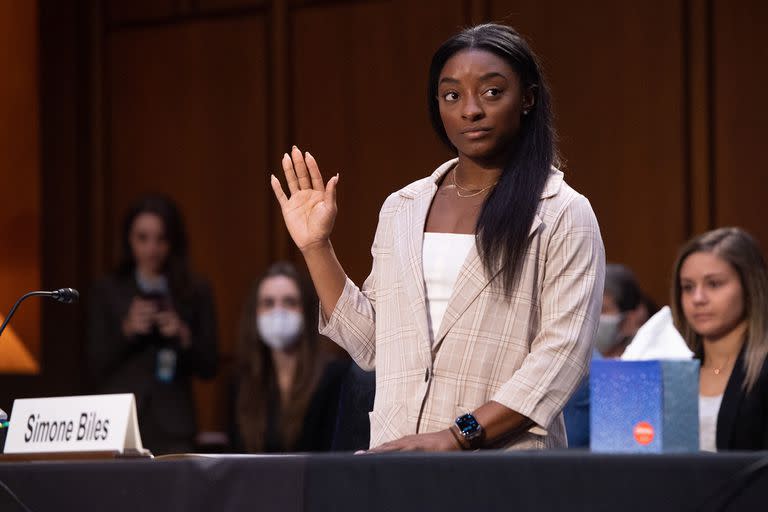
x=644 y=406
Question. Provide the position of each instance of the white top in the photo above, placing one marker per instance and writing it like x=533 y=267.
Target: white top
x=443 y=256
x=709 y=407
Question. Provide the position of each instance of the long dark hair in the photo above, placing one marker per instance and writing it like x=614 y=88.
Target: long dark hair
x=742 y=252
x=176 y=267
x=505 y=220
x=257 y=379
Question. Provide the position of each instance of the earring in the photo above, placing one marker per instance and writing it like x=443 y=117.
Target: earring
x=525 y=112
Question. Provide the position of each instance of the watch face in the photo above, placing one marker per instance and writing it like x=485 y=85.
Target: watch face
x=467 y=424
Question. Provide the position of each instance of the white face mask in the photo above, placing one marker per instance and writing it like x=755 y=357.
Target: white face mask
x=607 y=335
x=280 y=328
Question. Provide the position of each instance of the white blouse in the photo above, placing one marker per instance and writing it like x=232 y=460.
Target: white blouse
x=709 y=407
x=443 y=255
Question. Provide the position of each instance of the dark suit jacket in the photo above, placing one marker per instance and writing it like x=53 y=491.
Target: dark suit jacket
x=317 y=432
x=165 y=410
x=742 y=423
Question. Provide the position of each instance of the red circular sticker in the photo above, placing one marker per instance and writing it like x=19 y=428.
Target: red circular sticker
x=643 y=432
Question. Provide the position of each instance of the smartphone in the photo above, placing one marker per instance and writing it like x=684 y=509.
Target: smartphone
x=161 y=300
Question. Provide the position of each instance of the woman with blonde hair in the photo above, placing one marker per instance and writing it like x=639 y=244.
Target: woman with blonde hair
x=720 y=306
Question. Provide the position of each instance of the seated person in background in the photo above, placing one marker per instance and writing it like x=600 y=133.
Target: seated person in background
x=625 y=310
x=152 y=327
x=287 y=392
x=720 y=306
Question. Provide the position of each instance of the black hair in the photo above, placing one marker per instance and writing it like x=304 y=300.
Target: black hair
x=621 y=284
x=508 y=212
x=176 y=267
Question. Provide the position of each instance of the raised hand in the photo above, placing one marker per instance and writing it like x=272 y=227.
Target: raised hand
x=310 y=211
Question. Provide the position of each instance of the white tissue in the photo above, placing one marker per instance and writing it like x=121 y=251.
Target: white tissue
x=657 y=339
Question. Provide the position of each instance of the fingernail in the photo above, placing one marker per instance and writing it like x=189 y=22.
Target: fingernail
x=294 y=146
x=271 y=177
x=285 y=155
x=307 y=155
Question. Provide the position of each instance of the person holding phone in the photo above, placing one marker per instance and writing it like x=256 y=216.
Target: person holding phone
x=152 y=326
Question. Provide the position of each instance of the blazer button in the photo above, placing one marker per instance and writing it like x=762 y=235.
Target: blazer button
x=426 y=375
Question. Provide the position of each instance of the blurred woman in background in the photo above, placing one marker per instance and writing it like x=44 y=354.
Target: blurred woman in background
x=720 y=306
x=287 y=390
x=152 y=326
x=625 y=310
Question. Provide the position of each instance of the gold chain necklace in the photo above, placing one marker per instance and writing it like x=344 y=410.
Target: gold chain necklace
x=718 y=369
x=472 y=194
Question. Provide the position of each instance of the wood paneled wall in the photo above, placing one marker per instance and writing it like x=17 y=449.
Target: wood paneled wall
x=739 y=109
x=658 y=106
x=20 y=204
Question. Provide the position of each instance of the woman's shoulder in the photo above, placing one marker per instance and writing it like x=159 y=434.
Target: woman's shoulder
x=416 y=188
x=559 y=200
x=763 y=375
x=198 y=292
x=558 y=191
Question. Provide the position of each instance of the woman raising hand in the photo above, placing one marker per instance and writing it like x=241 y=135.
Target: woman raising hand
x=487 y=279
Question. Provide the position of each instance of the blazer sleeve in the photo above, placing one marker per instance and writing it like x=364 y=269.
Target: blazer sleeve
x=570 y=303
x=106 y=346
x=352 y=325
x=201 y=357
x=764 y=440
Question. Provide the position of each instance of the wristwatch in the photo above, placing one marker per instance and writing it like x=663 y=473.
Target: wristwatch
x=470 y=432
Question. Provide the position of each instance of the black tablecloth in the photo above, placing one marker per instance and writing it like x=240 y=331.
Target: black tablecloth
x=463 y=482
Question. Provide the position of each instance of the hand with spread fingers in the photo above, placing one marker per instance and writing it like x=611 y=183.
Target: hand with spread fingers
x=310 y=211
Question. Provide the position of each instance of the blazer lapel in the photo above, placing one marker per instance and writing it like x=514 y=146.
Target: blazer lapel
x=730 y=405
x=410 y=225
x=471 y=281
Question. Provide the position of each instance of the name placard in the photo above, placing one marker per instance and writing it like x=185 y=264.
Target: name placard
x=90 y=423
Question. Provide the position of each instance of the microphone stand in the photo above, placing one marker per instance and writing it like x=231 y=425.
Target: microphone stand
x=15 y=306
x=65 y=295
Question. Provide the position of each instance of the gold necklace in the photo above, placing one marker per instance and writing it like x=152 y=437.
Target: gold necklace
x=718 y=369
x=473 y=193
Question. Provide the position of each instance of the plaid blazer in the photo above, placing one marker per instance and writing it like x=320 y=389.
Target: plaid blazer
x=526 y=348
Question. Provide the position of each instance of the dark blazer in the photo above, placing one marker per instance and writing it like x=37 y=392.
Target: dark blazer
x=317 y=431
x=742 y=423
x=117 y=364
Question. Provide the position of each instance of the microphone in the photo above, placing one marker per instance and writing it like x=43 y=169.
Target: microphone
x=65 y=295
